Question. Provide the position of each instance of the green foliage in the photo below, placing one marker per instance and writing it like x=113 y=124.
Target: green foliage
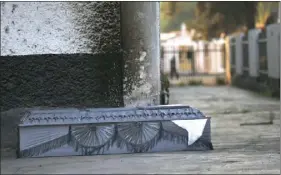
x=92 y=80
x=213 y=18
x=165 y=86
x=174 y=13
x=209 y=18
x=220 y=81
x=264 y=10
x=181 y=84
x=195 y=83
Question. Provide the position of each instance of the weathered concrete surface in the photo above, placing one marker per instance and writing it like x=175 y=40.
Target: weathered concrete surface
x=238 y=149
x=59 y=27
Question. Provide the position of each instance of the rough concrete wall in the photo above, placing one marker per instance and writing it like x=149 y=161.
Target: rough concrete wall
x=68 y=80
x=59 y=27
x=60 y=54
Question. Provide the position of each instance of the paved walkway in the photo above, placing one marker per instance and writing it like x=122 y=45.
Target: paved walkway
x=243 y=139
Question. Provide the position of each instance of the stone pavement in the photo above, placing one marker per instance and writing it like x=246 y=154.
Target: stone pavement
x=245 y=135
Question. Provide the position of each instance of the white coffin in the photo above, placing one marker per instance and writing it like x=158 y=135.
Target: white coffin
x=65 y=132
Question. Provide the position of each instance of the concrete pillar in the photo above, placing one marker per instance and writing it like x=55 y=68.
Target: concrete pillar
x=238 y=54
x=75 y=45
x=222 y=54
x=200 y=56
x=273 y=50
x=253 y=52
x=216 y=57
x=227 y=60
x=213 y=57
x=219 y=56
x=141 y=52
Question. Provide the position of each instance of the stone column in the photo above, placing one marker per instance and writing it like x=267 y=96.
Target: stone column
x=141 y=52
x=200 y=56
x=220 y=55
x=273 y=50
x=238 y=54
x=253 y=52
x=212 y=56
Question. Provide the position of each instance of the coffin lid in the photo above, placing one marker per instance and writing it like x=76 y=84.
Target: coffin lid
x=67 y=116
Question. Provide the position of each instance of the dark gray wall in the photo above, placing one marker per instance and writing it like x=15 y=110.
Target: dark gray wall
x=88 y=80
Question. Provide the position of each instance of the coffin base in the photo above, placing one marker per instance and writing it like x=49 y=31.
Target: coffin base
x=111 y=138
